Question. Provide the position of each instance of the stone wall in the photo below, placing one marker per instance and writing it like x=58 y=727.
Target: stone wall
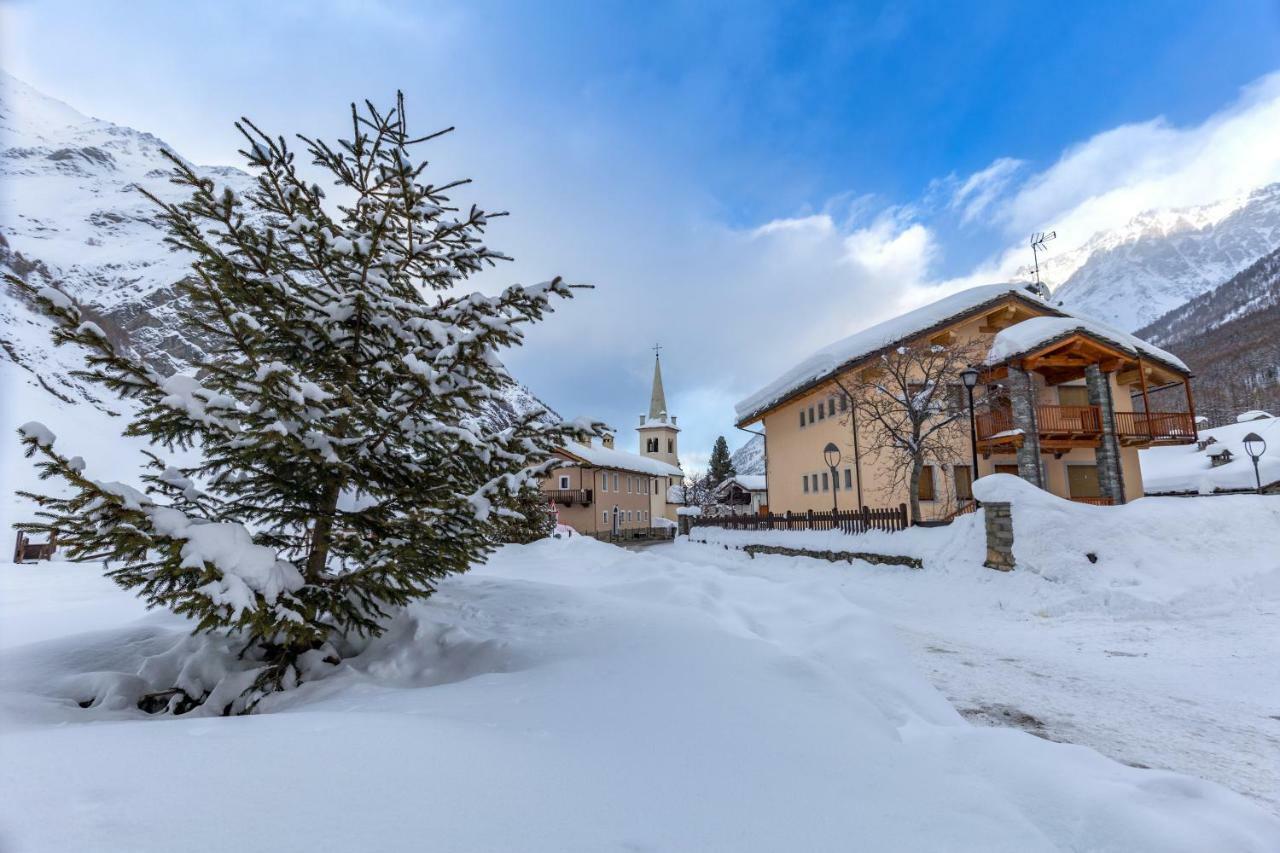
x=999 y=525
x=1110 y=471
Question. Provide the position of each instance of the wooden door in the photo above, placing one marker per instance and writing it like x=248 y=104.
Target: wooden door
x=1082 y=481
x=1007 y=469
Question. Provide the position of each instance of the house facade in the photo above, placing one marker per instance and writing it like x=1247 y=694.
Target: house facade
x=606 y=492
x=742 y=494
x=1061 y=401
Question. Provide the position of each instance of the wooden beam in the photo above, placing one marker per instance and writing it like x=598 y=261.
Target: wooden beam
x=1146 y=401
x=1191 y=407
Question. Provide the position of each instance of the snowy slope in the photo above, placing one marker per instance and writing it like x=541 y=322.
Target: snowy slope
x=1161 y=259
x=749 y=458
x=71 y=215
x=569 y=696
x=1185 y=468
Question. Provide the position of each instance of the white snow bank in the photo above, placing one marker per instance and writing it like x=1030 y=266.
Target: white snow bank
x=570 y=696
x=1153 y=550
x=1021 y=338
x=1186 y=468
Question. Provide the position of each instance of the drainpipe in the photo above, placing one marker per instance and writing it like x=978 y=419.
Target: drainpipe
x=766 y=460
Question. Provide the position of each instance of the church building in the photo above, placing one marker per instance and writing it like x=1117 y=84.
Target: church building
x=609 y=493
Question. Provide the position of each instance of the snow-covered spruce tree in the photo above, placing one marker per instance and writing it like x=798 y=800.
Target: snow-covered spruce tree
x=343 y=467
x=720 y=467
x=529 y=520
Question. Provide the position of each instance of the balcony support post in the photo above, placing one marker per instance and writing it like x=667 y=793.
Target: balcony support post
x=1022 y=405
x=1110 y=471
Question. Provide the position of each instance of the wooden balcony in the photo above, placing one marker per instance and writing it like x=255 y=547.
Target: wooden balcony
x=569 y=497
x=1060 y=428
x=1155 y=428
x=1095 y=501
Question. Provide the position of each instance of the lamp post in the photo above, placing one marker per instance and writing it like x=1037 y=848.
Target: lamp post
x=1255 y=446
x=831 y=455
x=969 y=376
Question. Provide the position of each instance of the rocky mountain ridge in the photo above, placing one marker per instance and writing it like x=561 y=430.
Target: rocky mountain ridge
x=71 y=216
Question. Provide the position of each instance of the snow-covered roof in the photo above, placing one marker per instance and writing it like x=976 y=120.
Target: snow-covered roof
x=651 y=423
x=608 y=457
x=750 y=482
x=1253 y=415
x=1021 y=338
x=830 y=359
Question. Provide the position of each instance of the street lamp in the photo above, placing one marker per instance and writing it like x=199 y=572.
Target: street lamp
x=969 y=376
x=1255 y=446
x=831 y=455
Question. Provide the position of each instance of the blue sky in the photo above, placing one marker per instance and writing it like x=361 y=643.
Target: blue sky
x=744 y=182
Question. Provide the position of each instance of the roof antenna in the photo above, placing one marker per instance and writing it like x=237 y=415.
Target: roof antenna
x=1038 y=240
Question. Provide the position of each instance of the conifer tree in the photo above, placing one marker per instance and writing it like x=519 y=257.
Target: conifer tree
x=343 y=467
x=720 y=467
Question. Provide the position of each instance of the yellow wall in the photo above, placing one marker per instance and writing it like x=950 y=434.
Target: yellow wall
x=605 y=497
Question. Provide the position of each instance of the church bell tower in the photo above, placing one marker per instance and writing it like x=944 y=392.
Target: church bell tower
x=659 y=435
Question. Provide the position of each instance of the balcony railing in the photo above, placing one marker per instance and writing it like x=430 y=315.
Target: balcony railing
x=569 y=497
x=1095 y=501
x=1155 y=427
x=1053 y=421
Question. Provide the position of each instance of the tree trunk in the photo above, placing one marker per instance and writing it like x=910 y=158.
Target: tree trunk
x=913 y=488
x=322 y=533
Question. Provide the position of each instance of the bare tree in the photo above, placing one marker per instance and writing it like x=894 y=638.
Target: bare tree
x=910 y=408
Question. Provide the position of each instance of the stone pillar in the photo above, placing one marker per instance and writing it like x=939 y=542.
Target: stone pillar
x=999 y=524
x=1022 y=402
x=1110 y=474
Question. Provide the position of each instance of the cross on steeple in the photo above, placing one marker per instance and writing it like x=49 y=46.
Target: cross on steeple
x=656 y=348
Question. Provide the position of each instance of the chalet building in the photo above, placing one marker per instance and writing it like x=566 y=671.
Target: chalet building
x=743 y=494
x=1061 y=401
x=606 y=492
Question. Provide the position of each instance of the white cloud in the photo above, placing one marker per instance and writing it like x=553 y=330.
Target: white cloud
x=976 y=193
x=1115 y=175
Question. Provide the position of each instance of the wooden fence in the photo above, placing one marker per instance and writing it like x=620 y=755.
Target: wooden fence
x=846 y=521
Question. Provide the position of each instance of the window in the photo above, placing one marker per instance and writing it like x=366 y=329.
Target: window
x=646 y=515
x=802 y=419
x=831 y=406
x=822 y=411
x=628 y=485
x=1007 y=469
x=564 y=482
x=848 y=478
x=671 y=445
x=615 y=483
x=805 y=480
x=835 y=481
x=964 y=482
x=926 y=483
x=811 y=418
x=826 y=486
x=844 y=403
x=604 y=516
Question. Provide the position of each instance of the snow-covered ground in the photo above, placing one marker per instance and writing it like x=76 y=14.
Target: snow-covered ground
x=1186 y=468
x=575 y=696
x=1161 y=653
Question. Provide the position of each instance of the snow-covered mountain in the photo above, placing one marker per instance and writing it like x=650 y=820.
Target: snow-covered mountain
x=1129 y=276
x=749 y=458
x=71 y=215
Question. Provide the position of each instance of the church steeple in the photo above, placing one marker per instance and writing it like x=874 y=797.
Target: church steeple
x=657 y=397
x=659 y=434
